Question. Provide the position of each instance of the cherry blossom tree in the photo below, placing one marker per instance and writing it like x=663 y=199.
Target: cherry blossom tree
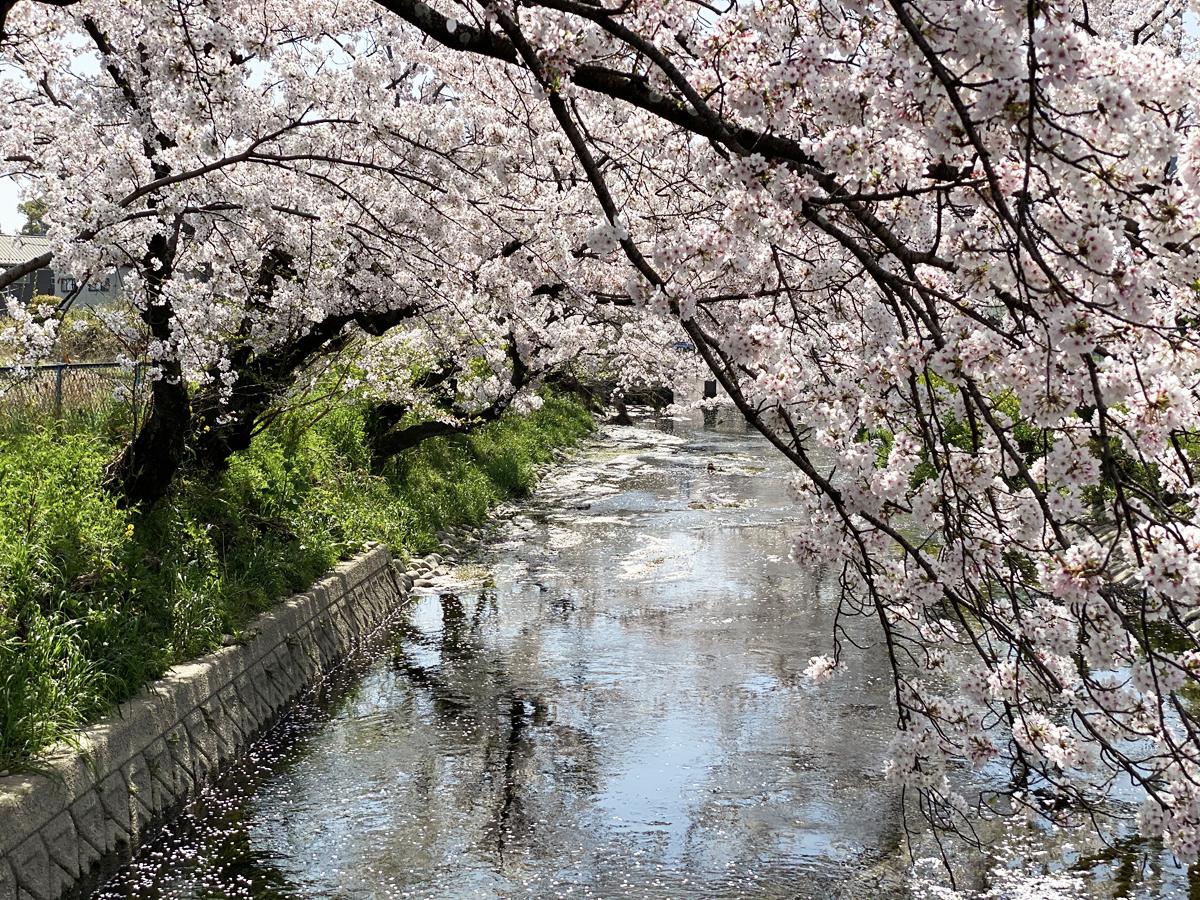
x=941 y=255
x=275 y=192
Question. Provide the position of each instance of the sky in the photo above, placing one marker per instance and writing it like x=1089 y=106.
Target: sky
x=10 y=220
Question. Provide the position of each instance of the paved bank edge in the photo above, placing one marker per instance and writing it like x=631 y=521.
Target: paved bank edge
x=130 y=770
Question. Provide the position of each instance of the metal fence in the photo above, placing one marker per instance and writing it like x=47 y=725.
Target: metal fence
x=61 y=390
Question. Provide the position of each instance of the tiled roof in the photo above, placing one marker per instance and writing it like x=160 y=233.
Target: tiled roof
x=18 y=248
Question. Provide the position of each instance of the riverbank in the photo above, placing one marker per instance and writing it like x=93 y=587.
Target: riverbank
x=95 y=601
x=65 y=828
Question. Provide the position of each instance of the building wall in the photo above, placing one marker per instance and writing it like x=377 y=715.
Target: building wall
x=100 y=290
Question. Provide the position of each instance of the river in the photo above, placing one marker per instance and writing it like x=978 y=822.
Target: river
x=604 y=699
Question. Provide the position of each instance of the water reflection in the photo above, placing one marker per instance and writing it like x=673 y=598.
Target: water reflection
x=476 y=711
x=621 y=713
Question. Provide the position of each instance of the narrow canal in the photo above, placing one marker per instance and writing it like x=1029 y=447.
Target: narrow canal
x=606 y=699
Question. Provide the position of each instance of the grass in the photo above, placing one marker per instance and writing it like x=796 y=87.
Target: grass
x=95 y=600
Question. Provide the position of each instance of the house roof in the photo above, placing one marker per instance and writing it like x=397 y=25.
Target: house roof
x=18 y=248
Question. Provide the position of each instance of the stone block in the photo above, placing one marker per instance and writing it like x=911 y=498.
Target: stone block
x=293 y=660
x=270 y=635
x=139 y=797
x=62 y=848
x=202 y=742
x=316 y=600
x=220 y=727
x=115 y=794
x=249 y=689
x=160 y=794
x=31 y=868
x=27 y=803
x=338 y=631
x=231 y=701
x=8 y=884
x=90 y=827
x=189 y=684
x=326 y=649
x=224 y=666
x=184 y=777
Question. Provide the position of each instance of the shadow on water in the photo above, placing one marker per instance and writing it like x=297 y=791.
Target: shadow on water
x=621 y=713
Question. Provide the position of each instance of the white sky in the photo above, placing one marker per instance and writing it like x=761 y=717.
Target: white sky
x=10 y=220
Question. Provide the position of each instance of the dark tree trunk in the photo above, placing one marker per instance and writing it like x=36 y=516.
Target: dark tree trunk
x=387 y=439
x=225 y=419
x=215 y=439
x=591 y=395
x=649 y=395
x=223 y=429
x=393 y=442
x=381 y=420
x=144 y=470
x=622 y=416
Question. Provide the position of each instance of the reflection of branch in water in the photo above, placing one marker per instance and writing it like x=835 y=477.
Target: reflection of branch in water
x=486 y=603
x=454 y=647
x=472 y=695
x=455 y=632
x=510 y=803
x=1133 y=861
x=447 y=702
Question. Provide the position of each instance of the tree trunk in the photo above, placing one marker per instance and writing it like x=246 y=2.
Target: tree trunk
x=393 y=442
x=144 y=470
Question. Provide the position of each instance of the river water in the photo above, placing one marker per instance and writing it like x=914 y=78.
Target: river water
x=605 y=699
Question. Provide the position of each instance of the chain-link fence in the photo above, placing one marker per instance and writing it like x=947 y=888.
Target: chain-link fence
x=110 y=392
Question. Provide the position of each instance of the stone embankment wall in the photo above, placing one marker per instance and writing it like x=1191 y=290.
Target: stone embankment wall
x=95 y=802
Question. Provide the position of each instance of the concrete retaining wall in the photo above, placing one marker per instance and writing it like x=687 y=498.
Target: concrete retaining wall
x=96 y=802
